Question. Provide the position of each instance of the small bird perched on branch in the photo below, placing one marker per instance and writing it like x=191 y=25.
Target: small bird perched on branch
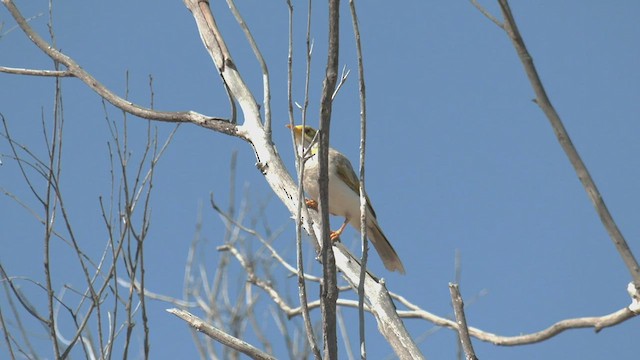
x=344 y=194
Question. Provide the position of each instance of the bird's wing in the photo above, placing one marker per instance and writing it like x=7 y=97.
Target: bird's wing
x=345 y=171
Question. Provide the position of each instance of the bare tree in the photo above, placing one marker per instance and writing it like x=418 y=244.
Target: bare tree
x=114 y=296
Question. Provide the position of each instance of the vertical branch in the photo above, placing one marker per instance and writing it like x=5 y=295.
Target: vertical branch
x=307 y=82
x=52 y=195
x=329 y=289
x=290 y=74
x=344 y=333
x=49 y=217
x=544 y=103
x=302 y=288
x=363 y=196
x=457 y=276
x=461 y=321
x=144 y=228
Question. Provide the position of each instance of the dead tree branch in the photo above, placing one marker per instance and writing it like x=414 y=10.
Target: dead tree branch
x=284 y=187
x=34 y=72
x=214 y=123
x=597 y=323
x=461 y=320
x=220 y=336
x=329 y=288
x=252 y=130
x=543 y=101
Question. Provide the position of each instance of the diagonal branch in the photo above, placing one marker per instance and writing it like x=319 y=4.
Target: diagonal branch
x=214 y=123
x=589 y=185
x=220 y=335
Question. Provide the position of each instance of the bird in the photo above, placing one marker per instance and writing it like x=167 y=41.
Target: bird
x=344 y=194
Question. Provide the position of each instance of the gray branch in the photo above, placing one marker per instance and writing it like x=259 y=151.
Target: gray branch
x=220 y=336
x=461 y=320
x=73 y=69
x=543 y=101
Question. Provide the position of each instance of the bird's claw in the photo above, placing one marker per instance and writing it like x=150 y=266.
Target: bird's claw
x=311 y=203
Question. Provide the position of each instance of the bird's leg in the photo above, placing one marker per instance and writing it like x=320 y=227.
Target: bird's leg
x=336 y=234
x=311 y=203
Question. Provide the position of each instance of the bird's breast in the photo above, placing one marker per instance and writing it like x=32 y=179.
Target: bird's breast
x=343 y=201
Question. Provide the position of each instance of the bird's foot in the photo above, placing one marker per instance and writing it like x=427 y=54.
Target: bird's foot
x=335 y=235
x=311 y=203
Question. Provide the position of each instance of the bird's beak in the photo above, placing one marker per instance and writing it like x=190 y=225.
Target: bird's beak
x=296 y=129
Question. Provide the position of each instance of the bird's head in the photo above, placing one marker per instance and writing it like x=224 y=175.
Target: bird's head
x=303 y=132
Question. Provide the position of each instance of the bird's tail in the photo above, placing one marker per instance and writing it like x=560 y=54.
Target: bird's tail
x=389 y=257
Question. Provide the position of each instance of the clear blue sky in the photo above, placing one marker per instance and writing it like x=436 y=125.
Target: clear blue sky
x=459 y=157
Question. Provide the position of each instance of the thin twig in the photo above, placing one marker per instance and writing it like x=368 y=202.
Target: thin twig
x=156 y=296
x=300 y=208
x=343 y=79
x=36 y=72
x=258 y=236
x=363 y=197
x=268 y=287
x=6 y=336
x=344 y=334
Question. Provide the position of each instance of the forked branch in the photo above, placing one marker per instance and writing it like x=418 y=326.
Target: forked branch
x=271 y=166
x=74 y=69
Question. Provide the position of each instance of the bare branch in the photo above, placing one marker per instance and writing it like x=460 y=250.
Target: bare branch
x=461 y=320
x=215 y=44
x=635 y=298
x=343 y=79
x=345 y=335
x=264 y=242
x=487 y=14
x=214 y=123
x=155 y=296
x=266 y=88
x=34 y=72
x=329 y=288
x=363 y=196
x=220 y=335
x=253 y=278
x=301 y=211
x=7 y=335
x=597 y=323
x=580 y=168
